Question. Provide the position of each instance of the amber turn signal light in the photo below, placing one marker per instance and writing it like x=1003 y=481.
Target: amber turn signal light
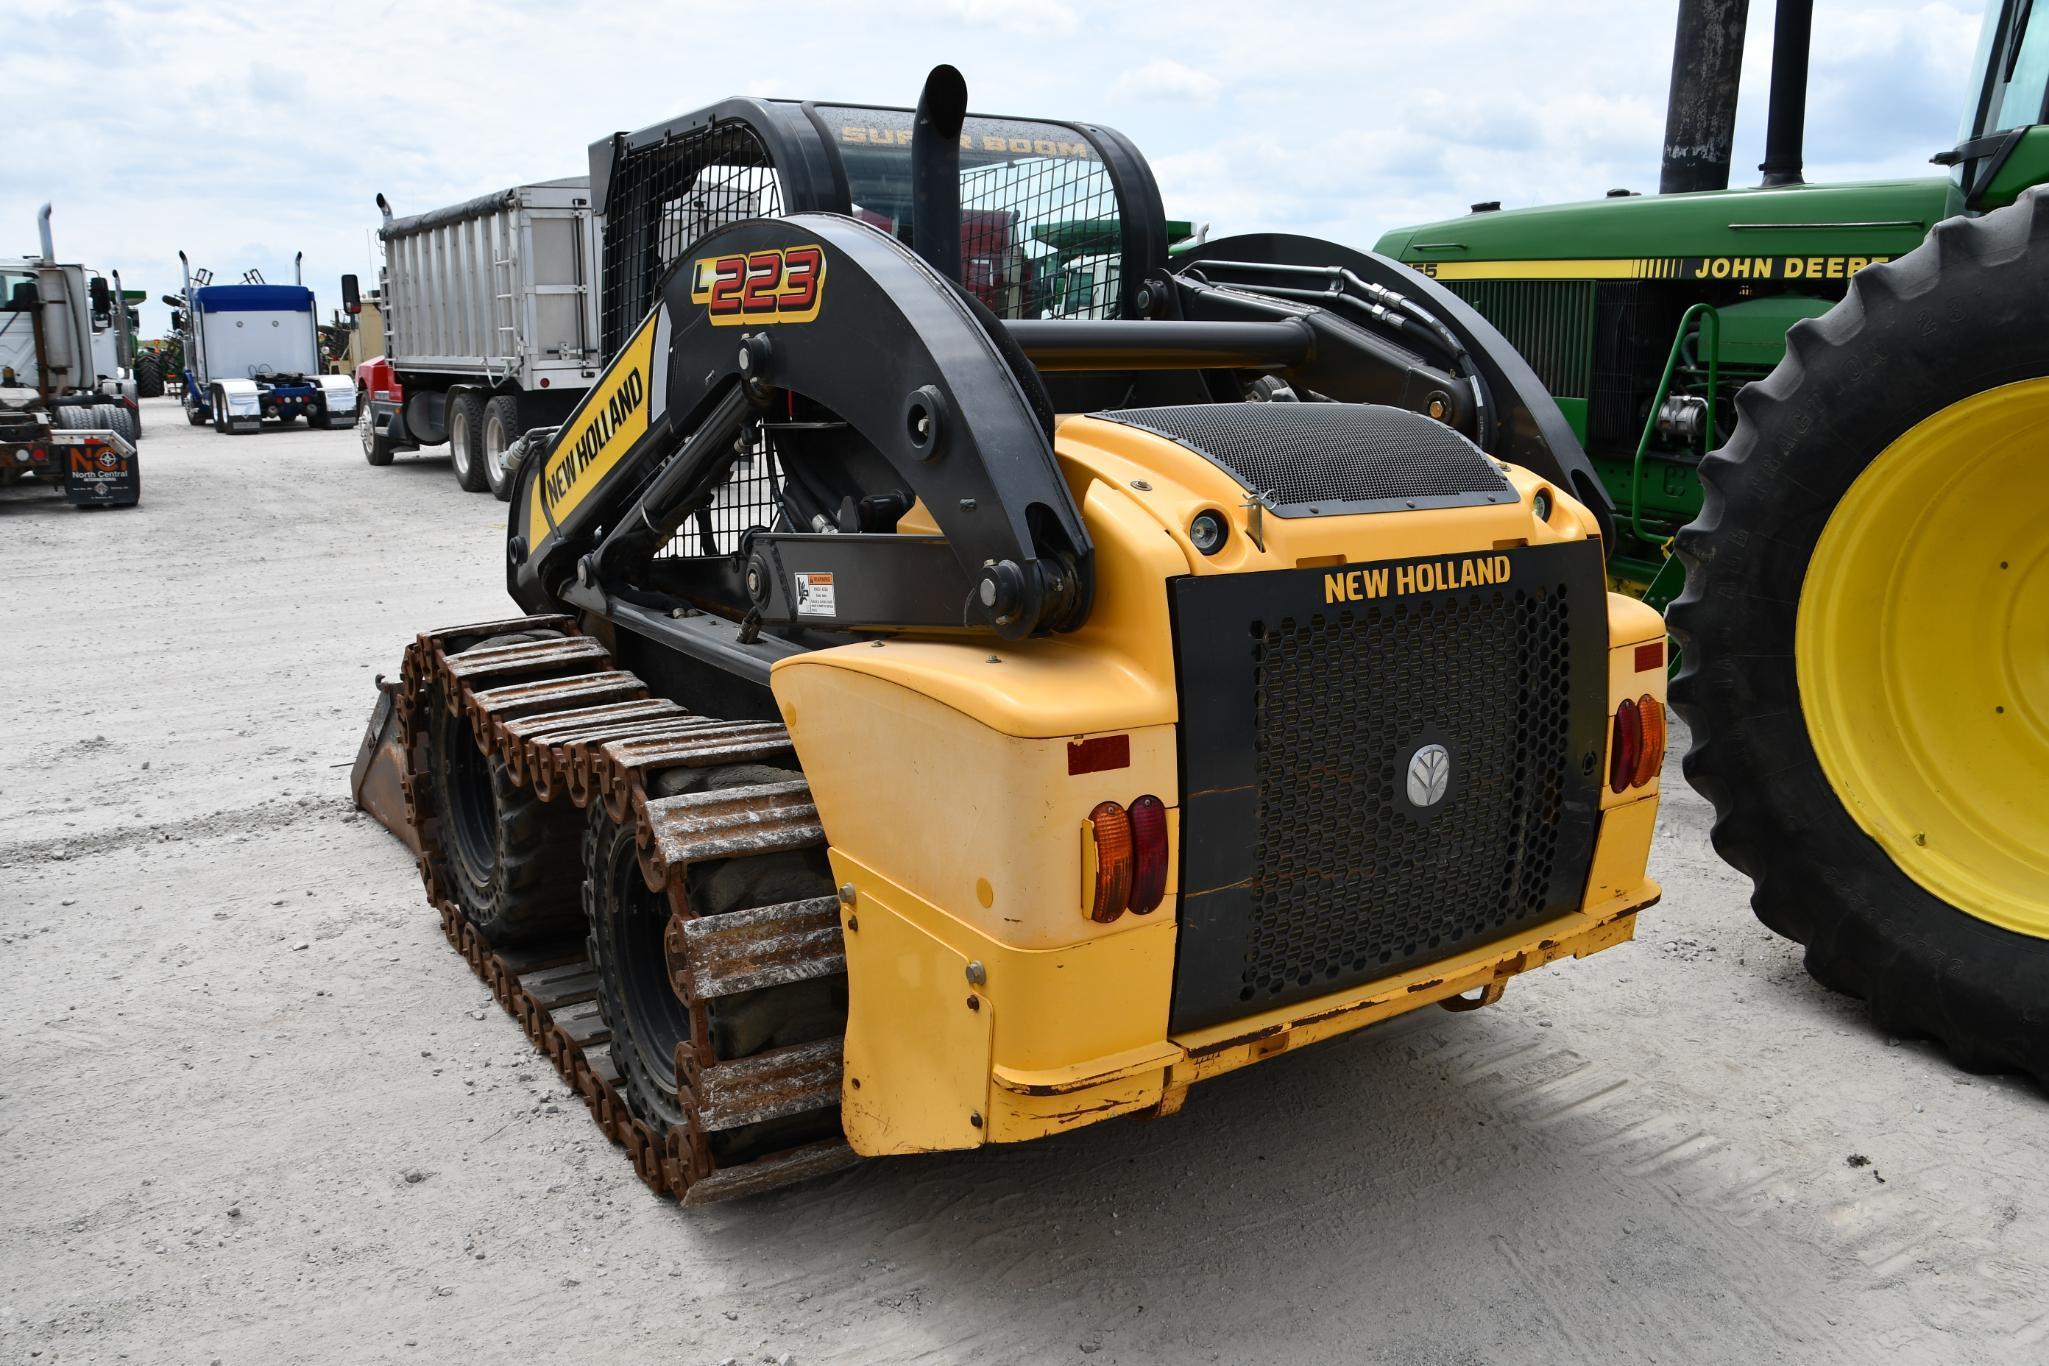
x=1111 y=827
x=1636 y=748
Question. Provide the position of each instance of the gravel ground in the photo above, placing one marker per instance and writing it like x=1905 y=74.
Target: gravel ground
x=253 y=1109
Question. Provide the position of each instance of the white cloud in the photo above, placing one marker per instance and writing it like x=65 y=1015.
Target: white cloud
x=1166 y=79
x=240 y=141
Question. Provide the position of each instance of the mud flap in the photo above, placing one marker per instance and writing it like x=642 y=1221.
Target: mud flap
x=378 y=780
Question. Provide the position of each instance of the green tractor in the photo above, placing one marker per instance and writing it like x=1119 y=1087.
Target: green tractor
x=1823 y=414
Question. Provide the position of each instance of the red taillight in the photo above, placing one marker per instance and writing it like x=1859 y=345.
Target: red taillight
x=1625 y=748
x=1149 y=854
x=1637 y=748
x=1112 y=830
x=1650 y=715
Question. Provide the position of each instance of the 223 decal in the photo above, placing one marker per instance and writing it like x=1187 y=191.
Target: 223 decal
x=775 y=285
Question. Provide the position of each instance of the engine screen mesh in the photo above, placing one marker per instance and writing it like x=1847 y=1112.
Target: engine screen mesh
x=1321 y=458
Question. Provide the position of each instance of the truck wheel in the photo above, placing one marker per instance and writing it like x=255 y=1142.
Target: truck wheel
x=513 y=859
x=195 y=413
x=501 y=429
x=1867 y=593
x=115 y=418
x=71 y=418
x=220 y=411
x=376 y=446
x=465 y=439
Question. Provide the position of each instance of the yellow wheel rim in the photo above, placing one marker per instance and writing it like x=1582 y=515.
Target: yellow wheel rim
x=1922 y=648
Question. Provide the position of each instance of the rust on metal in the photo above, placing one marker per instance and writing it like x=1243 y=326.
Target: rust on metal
x=772 y=1173
x=377 y=782
x=565 y=722
x=762 y=946
x=674 y=832
x=768 y=1085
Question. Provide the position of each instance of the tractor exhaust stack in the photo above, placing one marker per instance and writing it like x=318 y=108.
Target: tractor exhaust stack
x=1792 y=27
x=1700 y=115
x=935 y=170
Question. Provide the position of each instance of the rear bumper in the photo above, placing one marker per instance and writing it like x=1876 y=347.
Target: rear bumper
x=952 y=1078
x=1028 y=1105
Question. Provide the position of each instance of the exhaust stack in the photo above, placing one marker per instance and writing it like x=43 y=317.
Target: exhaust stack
x=1792 y=27
x=43 y=227
x=935 y=170
x=1700 y=114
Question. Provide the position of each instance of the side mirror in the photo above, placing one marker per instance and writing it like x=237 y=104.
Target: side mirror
x=352 y=296
x=172 y=300
x=102 y=299
x=177 y=320
x=25 y=297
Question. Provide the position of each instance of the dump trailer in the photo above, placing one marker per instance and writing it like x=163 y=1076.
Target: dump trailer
x=925 y=729
x=63 y=423
x=490 y=324
x=1860 y=624
x=252 y=355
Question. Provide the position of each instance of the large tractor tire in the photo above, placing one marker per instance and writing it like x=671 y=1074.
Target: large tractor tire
x=149 y=376
x=466 y=439
x=1864 y=628
x=512 y=858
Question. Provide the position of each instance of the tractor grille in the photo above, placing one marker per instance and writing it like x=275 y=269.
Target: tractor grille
x=1314 y=459
x=1551 y=322
x=1307 y=865
x=1340 y=700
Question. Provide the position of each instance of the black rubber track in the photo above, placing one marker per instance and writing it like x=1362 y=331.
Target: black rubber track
x=516 y=874
x=1965 y=312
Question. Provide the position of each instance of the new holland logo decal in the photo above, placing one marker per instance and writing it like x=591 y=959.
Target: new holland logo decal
x=1427 y=576
x=604 y=427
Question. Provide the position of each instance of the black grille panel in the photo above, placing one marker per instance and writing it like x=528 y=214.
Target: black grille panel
x=1323 y=458
x=1342 y=702
x=1306 y=866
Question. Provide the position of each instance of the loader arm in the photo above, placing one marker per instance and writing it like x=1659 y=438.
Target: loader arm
x=868 y=376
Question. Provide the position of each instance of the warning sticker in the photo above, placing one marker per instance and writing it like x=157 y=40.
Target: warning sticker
x=814 y=595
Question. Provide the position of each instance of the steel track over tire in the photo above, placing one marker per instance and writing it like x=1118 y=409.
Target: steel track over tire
x=710 y=890
x=1867 y=593
x=649 y=1018
x=512 y=858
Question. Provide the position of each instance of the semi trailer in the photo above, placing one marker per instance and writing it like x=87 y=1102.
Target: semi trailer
x=490 y=326
x=252 y=355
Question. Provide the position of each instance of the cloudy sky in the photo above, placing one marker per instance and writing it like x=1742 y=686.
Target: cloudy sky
x=245 y=133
